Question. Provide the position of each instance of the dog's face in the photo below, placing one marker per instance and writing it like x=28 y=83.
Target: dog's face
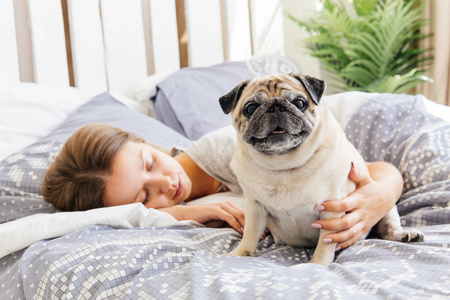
x=275 y=113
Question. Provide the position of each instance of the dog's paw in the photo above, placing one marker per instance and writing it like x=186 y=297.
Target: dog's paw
x=240 y=252
x=406 y=236
x=413 y=235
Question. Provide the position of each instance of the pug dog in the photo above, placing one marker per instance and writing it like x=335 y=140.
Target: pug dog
x=292 y=155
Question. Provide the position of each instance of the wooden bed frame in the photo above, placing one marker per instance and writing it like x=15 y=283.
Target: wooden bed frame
x=108 y=45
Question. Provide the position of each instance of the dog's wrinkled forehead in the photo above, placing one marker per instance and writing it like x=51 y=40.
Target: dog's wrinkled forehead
x=273 y=86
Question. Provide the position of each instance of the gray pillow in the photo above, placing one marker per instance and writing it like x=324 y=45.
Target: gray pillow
x=188 y=100
x=21 y=174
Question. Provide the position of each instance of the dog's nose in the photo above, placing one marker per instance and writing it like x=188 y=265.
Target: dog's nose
x=276 y=107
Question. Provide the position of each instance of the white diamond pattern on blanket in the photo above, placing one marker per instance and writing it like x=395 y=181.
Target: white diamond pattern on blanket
x=25 y=171
x=21 y=177
x=16 y=175
x=117 y=264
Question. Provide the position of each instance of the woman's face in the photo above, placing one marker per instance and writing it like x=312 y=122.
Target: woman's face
x=141 y=173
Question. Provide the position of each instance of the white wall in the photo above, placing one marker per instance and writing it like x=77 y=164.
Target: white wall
x=293 y=35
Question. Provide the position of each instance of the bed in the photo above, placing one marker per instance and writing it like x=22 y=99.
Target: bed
x=139 y=73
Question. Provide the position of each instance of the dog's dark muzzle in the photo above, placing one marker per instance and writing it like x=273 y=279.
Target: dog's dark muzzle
x=276 y=130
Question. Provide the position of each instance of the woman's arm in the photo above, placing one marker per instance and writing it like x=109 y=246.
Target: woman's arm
x=208 y=214
x=373 y=198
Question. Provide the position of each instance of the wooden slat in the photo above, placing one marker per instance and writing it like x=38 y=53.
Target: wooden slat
x=125 y=44
x=267 y=26
x=87 y=45
x=9 y=62
x=48 y=42
x=203 y=21
x=164 y=36
x=237 y=40
x=68 y=41
x=182 y=33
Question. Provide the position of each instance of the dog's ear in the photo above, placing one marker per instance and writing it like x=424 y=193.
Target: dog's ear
x=229 y=100
x=315 y=87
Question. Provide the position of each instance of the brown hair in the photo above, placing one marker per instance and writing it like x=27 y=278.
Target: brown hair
x=76 y=180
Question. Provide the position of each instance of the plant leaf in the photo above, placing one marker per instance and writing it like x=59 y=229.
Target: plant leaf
x=376 y=49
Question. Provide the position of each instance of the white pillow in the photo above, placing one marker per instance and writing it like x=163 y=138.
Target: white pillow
x=146 y=89
x=30 y=111
x=344 y=105
x=236 y=199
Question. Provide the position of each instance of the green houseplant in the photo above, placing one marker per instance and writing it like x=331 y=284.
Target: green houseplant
x=371 y=45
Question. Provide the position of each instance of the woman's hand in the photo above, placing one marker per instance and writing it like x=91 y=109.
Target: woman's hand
x=373 y=198
x=212 y=215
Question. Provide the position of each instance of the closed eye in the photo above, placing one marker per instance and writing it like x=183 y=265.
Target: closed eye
x=149 y=164
x=147 y=198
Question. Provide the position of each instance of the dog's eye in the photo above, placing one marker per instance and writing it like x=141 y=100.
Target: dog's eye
x=249 y=109
x=301 y=103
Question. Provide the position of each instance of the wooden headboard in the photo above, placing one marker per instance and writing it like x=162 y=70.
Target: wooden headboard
x=107 y=45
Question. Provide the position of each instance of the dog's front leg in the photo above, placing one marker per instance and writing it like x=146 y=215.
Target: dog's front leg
x=256 y=218
x=324 y=253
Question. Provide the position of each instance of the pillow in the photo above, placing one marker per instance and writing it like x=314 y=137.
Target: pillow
x=30 y=111
x=188 y=100
x=21 y=173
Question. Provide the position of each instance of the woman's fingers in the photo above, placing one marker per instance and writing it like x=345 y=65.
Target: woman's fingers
x=350 y=241
x=347 y=237
x=236 y=212
x=347 y=230
x=357 y=177
x=346 y=204
x=351 y=201
x=224 y=211
x=343 y=223
x=234 y=217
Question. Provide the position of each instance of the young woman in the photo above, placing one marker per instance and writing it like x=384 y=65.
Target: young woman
x=100 y=165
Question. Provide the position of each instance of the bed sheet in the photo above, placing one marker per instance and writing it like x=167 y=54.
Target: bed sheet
x=187 y=261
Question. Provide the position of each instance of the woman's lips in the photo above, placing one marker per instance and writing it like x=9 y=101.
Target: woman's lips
x=180 y=188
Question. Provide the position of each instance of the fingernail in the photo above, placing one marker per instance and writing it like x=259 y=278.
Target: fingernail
x=242 y=229
x=353 y=165
x=319 y=207
x=316 y=225
x=327 y=241
x=337 y=248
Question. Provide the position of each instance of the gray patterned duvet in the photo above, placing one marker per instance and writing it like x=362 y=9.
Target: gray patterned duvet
x=186 y=262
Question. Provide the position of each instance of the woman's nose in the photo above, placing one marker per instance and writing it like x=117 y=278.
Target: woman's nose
x=164 y=183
